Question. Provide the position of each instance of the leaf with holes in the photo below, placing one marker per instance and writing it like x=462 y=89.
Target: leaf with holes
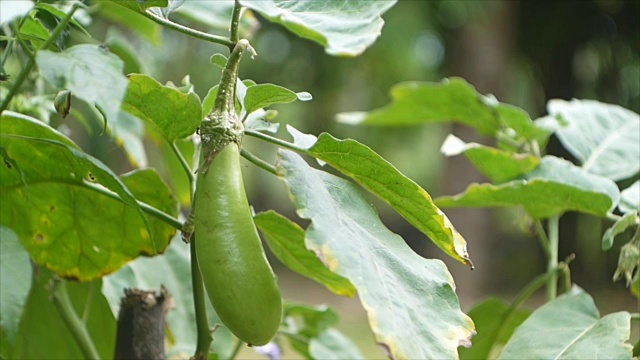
x=53 y=198
x=406 y=296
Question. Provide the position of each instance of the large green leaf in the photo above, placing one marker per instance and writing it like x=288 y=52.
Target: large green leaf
x=176 y=114
x=495 y=323
x=332 y=344
x=15 y=277
x=173 y=271
x=216 y=15
x=497 y=165
x=343 y=27
x=605 y=138
x=554 y=187
x=43 y=333
x=132 y=20
x=10 y=10
x=630 y=198
x=570 y=327
x=286 y=240
x=381 y=178
x=90 y=72
x=410 y=301
x=54 y=200
x=417 y=103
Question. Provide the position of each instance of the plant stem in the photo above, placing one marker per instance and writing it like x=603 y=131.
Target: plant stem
x=526 y=293
x=236 y=349
x=185 y=166
x=552 y=262
x=202 y=323
x=156 y=213
x=258 y=162
x=79 y=331
x=32 y=59
x=544 y=240
x=188 y=31
x=235 y=23
x=276 y=141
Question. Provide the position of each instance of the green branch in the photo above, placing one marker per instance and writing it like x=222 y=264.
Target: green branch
x=188 y=31
x=150 y=210
x=78 y=329
x=185 y=167
x=235 y=23
x=552 y=262
x=236 y=349
x=258 y=162
x=204 y=338
x=32 y=60
x=276 y=141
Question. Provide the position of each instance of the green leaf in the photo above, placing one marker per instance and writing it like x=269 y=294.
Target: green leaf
x=128 y=133
x=497 y=165
x=286 y=240
x=343 y=28
x=91 y=72
x=147 y=186
x=554 y=187
x=173 y=271
x=382 y=179
x=495 y=323
x=177 y=115
x=174 y=171
x=393 y=282
x=131 y=20
x=332 y=344
x=216 y=15
x=15 y=276
x=33 y=30
x=10 y=10
x=121 y=45
x=57 y=12
x=630 y=198
x=570 y=327
x=617 y=228
x=451 y=100
x=605 y=138
x=263 y=95
x=219 y=60
x=63 y=216
x=44 y=335
x=141 y=5
x=416 y=103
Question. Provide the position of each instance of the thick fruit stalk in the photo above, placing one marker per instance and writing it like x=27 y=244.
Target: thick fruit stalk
x=240 y=283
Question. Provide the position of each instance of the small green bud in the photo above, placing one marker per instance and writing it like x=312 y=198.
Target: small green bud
x=62 y=103
x=627 y=261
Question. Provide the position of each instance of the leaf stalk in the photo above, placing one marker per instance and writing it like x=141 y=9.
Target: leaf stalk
x=78 y=329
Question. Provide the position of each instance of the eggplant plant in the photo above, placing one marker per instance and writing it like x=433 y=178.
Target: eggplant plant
x=75 y=234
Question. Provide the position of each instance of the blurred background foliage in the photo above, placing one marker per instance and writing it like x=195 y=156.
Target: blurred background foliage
x=524 y=52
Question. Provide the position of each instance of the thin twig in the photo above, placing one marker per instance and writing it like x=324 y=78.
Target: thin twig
x=276 y=141
x=188 y=31
x=258 y=162
x=204 y=337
